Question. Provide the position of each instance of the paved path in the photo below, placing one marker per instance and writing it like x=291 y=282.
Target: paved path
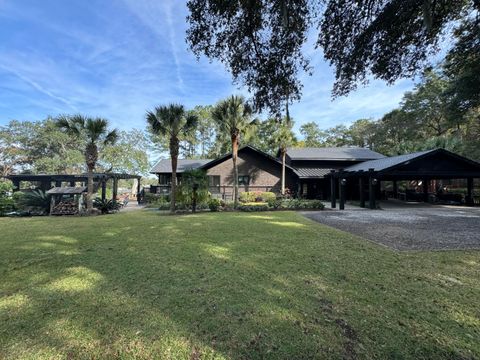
x=404 y=227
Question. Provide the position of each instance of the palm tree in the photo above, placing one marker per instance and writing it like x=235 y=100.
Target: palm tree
x=175 y=124
x=94 y=135
x=233 y=118
x=283 y=137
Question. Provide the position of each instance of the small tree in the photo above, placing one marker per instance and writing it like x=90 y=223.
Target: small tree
x=94 y=135
x=233 y=117
x=282 y=138
x=185 y=191
x=175 y=124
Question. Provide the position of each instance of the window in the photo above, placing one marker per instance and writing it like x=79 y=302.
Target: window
x=243 y=180
x=164 y=179
x=214 y=180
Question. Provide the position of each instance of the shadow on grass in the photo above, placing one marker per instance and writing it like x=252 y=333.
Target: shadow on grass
x=227 y=285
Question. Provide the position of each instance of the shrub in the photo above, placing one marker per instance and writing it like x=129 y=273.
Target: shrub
x=296 y=204
x=106 y=206
x=37 y=199
x=254 y=206
x=256 y=196
x=275 y=203
x=155 y=199
x=214 y=204
x=6 y=200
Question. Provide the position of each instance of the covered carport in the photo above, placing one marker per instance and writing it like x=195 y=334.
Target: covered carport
x=363 y=181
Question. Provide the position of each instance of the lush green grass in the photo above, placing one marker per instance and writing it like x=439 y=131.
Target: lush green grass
x=227 y=285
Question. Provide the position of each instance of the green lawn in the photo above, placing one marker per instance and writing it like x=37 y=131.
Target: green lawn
x=227 y=285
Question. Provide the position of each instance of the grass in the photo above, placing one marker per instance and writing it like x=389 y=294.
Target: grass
x=227 y=285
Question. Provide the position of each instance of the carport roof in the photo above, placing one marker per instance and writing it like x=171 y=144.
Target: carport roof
x=312 y=173
x=387 y=162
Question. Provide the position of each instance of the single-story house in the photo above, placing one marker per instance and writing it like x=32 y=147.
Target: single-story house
x=316 y=173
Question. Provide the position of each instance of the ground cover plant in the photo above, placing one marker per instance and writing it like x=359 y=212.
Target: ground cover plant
x=227 y=285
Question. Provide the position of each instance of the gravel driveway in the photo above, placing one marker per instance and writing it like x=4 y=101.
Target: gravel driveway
x=409 y=228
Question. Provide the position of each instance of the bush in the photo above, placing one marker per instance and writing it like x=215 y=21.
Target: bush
x=155 y=199
x=275 y=203
x=297 y=204
x=6 y=201
x=214 y=204
x=256 y=196
x=106 y=206
x=37 y=200
x=254 y=206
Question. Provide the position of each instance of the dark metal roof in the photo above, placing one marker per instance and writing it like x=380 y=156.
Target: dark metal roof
x=312 y=173
x=165 y=165
x=333 y=153
x=243 y=148
x=387 y=162
x=67 y=190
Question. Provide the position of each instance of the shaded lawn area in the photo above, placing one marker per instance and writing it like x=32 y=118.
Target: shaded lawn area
x=227 y=285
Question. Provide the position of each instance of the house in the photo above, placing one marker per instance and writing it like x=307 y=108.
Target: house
x=306 y=172
x=316 y=173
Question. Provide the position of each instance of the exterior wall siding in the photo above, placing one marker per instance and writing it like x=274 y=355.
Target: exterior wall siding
x=265 y=175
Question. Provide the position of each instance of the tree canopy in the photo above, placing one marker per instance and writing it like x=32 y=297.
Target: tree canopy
x=262 y=42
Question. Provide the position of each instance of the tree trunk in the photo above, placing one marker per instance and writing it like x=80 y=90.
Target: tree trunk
x=283 y=171
x=174 y=158
x=90 y=190
x=235 y=170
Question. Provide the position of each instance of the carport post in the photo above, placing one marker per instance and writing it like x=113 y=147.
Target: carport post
x=395 y=189
x=115 y=188
x=425 y=190
x=469 y=199
x=342 y=183
x=362 y=192
x=371 y=189
x=333 y=195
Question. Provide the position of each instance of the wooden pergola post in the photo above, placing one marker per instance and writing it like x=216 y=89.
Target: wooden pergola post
x=115 y=188
x=333 y=195
x=371 y=189
x=362 y=191
x=104 y=189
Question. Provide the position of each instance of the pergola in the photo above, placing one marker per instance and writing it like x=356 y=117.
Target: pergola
x=428 y=165
x=48 y=181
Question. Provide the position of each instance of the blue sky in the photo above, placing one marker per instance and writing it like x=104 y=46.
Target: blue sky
x=116 y=59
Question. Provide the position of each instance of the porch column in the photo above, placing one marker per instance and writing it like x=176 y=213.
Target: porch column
x=361 y=192
x=115 y=188
x=395 y=189
x=104 y=189
x=425 y=190
x=72 y=183
x=58 y=183
x=371 y=189
x=333 y=196
x=469 y=200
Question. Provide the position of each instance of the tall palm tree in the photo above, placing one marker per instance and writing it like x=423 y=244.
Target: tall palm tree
x=94 y=135
x=283 y=137
x=175 y=124
x=233 y=117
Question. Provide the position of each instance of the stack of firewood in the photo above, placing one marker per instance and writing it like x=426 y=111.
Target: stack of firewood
x=65 y=208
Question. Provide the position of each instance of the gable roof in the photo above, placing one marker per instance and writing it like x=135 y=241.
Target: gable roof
x=333 y=153
x=165 y=165
x=243 y=148
x=388 y=163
